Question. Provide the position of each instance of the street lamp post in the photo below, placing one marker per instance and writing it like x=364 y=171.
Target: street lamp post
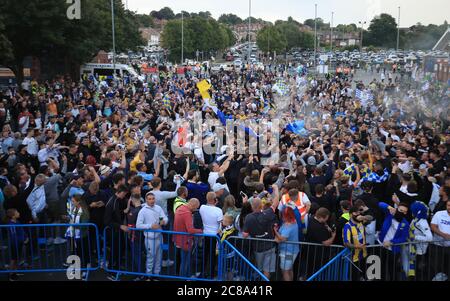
x=113 y=39
x=249 y=25
x=362 y=32
x=331 y=39
x=182 y=38
x=398 y=29
x=315 y=35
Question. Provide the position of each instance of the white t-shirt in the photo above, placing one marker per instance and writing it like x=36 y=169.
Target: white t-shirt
x=442 y=220
x=32 y=145
x=211 y=218
x=212 y=178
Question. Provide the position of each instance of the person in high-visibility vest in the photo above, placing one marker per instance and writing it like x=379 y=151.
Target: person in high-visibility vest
x=300 y=201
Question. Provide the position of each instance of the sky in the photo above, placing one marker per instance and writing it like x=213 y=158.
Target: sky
x=345 y=11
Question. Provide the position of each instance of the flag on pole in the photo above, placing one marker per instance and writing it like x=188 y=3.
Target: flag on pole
x=203 y=86
x=166 y=102
x=297 y=127
x=281 y=88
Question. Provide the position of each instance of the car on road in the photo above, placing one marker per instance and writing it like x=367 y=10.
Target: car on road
x=238 y=63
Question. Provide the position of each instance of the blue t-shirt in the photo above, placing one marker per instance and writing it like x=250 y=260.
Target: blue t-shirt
x=290 y=231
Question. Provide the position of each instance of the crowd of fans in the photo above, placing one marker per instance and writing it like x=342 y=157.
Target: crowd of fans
x=364 y=173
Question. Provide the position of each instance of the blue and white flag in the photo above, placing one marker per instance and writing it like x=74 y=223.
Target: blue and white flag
x=426 y=86
x=297 y=127
x=364 y=95
x=281 y=88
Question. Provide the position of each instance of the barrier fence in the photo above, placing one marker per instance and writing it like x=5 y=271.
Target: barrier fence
x=236 y=267
x=163 y=254
x=38 y=248
x=337 y=269
x=286 y=260
x=411 y=261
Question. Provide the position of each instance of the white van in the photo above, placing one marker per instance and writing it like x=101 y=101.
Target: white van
x=102 y=70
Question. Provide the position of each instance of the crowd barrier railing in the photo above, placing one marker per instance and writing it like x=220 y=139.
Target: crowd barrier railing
x=162 y=254
x=410 y=261
x=42 y=248
x=302 y=259
x=337 y=269
x=236 y=267
x=38 y=248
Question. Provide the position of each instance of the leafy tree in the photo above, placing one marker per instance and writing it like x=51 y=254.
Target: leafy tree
x=306 y=40
x=422 y=37
x=382 y=31
x=347 y=28
x=351 y=47
x=291 y=34
x=171 y=39
x=231 y=37
x=205 y=14
x=185 y=15
x=270 y=38
x=320 y=23
x=6 y=54
x=41 y=28
x=290 y=29
x=166 y=13
x=230 y=19
x=352 y=27
x=199 y=34
x=145 y=20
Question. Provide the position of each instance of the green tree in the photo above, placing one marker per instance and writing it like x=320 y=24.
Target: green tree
x=205 y=14
x=292 y=34
x=306 y=40
x=41 y=28
x=230 y=19
x=6 y=54
x=320 y=23
x=352 y=27
x=145 y=20
x=171 y=40
x=199 y=34
x=166 y=13
x=231 y=37
x=422 y=37
x=382 y=31
x=185 y=15
x=270 y=38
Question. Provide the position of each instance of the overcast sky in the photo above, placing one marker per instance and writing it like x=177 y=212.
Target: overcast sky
x=345 y=11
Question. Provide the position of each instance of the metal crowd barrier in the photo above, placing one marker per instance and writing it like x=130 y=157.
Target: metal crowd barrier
x=162 y=254
x=336 y=269
x=236 y=267
x=41 y=248
x=412 y=261
x=278 y=258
